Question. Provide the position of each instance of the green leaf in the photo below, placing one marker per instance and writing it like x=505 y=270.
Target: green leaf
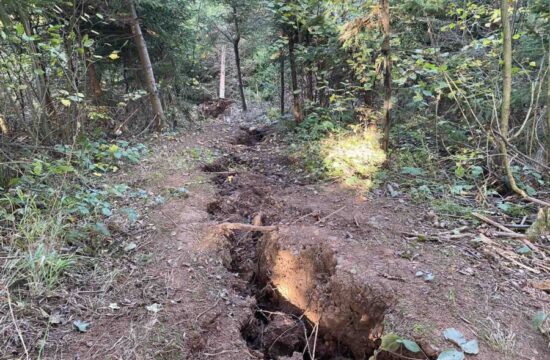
x=106 y=211
x=459 y=171
x=19 y=29
x=451 y=355
x=37 y=168
x=454 y=335
x=159 y=200
x=132 y=215
x=471 y=347
x=504 y=206
x=412 y=171
x=81 y=325
x=530 y=190
x=410 y=345
x=476 y=171
x=539 y=319
x=102 y=229
x=524 y=250
x=390 y=342
x=131 y=246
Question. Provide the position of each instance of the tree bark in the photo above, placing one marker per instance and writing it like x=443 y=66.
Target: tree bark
x=41 y=82
x=93 y=79
x=236 y=42
x=386 y=124
x=222 y=73
x=297 y=108
x=282 y=78
x=506 y=95
x=156 y=104
x=4 y=128
x=548 y=114
x=239 y=74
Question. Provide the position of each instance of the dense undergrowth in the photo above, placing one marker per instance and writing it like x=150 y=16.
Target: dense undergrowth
x=428 y=166
x=53 y=210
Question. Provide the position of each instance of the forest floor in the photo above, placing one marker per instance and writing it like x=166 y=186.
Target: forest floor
x=194 y=283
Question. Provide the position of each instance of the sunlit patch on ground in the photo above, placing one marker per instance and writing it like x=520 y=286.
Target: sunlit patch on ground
x=353 y=157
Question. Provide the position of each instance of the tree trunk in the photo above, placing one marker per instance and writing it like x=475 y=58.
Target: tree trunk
x=282 y=78
x=296 y=98
x=386 y=124
x=4 y=129
x=239 y=74
x=94 y=83
x=41 y=82
x=222 y=73
x=506 y=95
x=548 y=115
x=236 y=42
x=147 y=68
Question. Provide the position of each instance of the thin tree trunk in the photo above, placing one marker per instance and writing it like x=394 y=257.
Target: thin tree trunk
x=42 y=85
x=506 y=95
x=239 y=74
x=93 y=79
x=309 y=72
x=147 y=68
x=385 y=12
x=222 y=73
x=236 y=42
x=296 y=99
x=4 y=129
x=548 y=115
x=282 y=78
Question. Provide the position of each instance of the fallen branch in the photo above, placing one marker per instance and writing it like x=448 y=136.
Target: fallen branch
x=507 y=234
x=15 y=324
x=331 y=214
x=506 y=254
x=207 y=310
x=247 y=227
x=302 y=217
x=497 y=225
x=421 y=237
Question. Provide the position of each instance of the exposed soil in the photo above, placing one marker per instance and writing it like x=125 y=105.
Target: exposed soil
x=322 y=273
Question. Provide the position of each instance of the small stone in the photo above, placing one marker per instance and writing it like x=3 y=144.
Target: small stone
x=431 y=351
x=467 y=271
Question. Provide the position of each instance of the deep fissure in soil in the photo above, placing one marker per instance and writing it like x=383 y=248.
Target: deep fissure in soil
x=302 y=306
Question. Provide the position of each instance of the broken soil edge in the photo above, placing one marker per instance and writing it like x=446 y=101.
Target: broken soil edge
x=349 y=315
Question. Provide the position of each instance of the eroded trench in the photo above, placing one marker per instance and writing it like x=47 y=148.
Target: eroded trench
x=306 y=308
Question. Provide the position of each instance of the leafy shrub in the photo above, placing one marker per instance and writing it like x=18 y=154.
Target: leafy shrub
x=354 y=156
x=56 y=201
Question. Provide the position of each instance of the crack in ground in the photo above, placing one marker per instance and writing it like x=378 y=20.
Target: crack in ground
x=300 y=309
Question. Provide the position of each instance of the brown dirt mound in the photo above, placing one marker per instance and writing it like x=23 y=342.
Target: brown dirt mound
x=214 y=108
x=250 y=136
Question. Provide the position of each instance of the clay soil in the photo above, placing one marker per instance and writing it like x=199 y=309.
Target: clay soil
x=318 y=271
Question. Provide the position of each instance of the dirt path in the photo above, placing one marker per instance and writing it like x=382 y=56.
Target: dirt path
x=318 y=254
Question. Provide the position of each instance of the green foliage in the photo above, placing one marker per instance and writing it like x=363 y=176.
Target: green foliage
x=540 y=319
x=54 y=202
x=393 y=344
x=353 y=156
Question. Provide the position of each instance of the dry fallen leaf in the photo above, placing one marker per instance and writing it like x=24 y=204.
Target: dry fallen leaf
x=541 y=285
